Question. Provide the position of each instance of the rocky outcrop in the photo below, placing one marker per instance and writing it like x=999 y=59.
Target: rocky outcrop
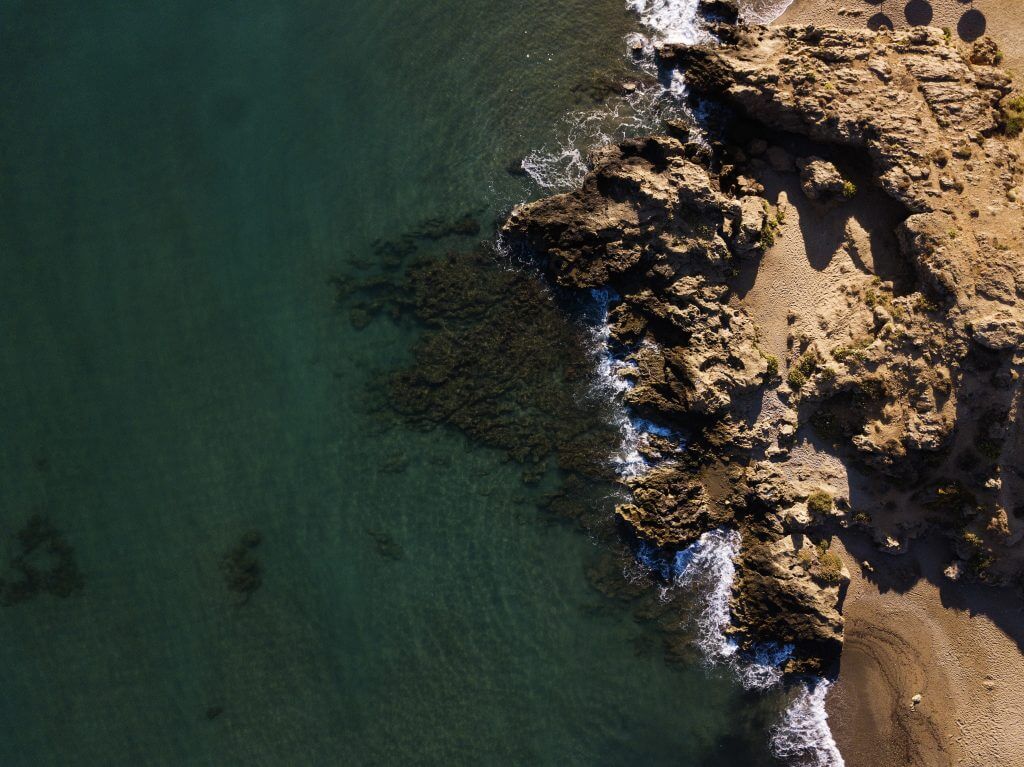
x=922 y=369
x=656 y=226
x=915 y=103
x=916 y=387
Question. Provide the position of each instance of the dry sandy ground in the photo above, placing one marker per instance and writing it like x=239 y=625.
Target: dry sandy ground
x=1003 y=20
x=909 y=630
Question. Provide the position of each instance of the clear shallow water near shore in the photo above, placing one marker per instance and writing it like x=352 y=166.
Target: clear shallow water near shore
x=177 y=183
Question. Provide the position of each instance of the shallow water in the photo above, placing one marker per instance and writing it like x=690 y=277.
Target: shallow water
x=177 y=183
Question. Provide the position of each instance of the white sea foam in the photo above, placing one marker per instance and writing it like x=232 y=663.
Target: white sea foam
x=707 y=567
x=670 y=21
x=609 y=382
x=562 y=165
x=803 y=737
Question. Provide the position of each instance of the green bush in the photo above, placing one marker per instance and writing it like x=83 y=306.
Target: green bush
x=796 y=379
x=770 y=228
x=1013 y=115
x=849 y=189
x=830 y=567
x=819 y=502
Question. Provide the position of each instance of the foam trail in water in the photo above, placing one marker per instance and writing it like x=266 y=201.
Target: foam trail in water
x=563 y=166
x=803 y=736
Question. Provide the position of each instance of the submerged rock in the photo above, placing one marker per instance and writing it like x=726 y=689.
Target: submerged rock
x=243 y=573
x=41 y=562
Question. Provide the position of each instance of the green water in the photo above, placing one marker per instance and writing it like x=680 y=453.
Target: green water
x=177 y=182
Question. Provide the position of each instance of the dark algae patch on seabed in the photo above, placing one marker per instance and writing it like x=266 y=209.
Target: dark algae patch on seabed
x=177 y=180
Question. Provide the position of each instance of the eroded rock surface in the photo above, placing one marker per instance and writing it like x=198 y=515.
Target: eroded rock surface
x=915 y=387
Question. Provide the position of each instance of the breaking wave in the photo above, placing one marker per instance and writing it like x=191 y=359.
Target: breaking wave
x=610 y=383
x=562 y=166
x=803 y=736
x=670 y=21
x=707 y=569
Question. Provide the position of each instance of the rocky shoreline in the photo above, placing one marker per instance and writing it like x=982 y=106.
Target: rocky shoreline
x=890 y=402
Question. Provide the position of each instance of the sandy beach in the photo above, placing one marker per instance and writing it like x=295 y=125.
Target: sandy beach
x=909 y=630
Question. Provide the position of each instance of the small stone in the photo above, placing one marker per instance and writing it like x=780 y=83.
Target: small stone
x=820 y=180
x=915 y=700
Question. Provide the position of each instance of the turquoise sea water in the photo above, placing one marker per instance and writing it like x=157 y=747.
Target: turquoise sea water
x=177 y=182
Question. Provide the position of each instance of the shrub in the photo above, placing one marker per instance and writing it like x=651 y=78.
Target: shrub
x=819 y=502
x=808 y=364
x=796 y=379
x=1013 y=115
x=770 y=228
x=842 y=353
x=849 y=189
x=830 y=567
x=773 y=366
x=806 y=557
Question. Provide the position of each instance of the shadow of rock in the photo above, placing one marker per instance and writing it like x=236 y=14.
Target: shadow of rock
x=879 y=21
x=971 y=25
x=918 y=13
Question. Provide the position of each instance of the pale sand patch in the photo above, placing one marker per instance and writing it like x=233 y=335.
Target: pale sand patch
x=1002 y=20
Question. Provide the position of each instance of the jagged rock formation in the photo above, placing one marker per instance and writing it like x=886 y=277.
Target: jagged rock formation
x=654 y=225
x=918 y=388
x=933 y=371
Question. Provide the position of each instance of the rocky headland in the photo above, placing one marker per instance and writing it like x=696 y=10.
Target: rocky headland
x=824 y=298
